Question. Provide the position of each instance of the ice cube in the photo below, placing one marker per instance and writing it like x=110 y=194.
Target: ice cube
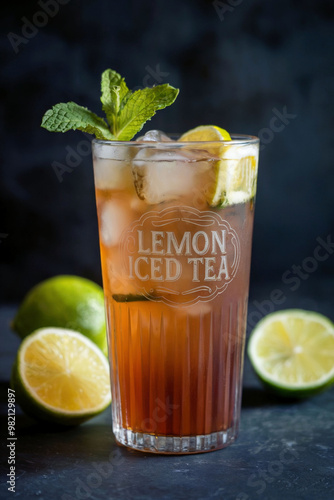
x=162 y=176
x=239 y=152
x=112 y=166
x=165 y=174
x=115 y=217
x=113 y=174
x=154 y=136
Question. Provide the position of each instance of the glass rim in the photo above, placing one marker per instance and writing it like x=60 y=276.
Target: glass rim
x=237 y=140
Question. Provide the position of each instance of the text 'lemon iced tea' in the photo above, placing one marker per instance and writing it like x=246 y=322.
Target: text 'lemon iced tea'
x=175 y=224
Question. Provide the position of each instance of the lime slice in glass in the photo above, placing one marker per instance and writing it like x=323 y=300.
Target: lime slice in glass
x=292 y=352
x=233 y=178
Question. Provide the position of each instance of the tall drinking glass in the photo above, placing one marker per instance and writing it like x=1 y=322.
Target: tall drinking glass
x=175 y=226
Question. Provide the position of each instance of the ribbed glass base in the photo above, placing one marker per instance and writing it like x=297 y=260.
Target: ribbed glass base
x=175 y=445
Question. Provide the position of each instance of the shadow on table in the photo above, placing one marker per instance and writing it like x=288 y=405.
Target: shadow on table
x=93 y=441
x=90 y=442
x=256 y=398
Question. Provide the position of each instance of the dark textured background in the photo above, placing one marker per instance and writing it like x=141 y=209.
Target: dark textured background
x=235 y=65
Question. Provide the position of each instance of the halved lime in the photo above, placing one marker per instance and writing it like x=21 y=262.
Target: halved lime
x=292 y=351
x=65 y=301
x=61 y=376
x=233 y=179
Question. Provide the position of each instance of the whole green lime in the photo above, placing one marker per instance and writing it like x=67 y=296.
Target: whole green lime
x=68 y=302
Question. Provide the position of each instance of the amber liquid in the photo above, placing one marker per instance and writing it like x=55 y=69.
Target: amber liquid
x=176 y=371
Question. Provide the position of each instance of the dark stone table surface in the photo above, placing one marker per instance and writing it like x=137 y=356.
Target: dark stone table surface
x=285 y=449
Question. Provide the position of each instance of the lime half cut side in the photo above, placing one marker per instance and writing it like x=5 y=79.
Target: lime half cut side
x=61 y=376
x=292 y=352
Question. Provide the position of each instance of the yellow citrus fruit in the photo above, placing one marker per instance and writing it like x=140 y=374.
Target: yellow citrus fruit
x=61 y=376
x=233 y=177
x=206 y=133
x=292 y=352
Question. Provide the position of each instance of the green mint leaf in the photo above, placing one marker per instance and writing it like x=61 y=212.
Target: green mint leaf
x=113 y=91
x=70 y=116
x=126 y=111
x=140 y=107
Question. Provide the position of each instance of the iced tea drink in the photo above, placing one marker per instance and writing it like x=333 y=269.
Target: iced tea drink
x=175 y=225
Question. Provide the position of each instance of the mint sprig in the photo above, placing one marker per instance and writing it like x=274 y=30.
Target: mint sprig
x=113 y=93
x=140 y=107
x=126 y=111
x=70 y=116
